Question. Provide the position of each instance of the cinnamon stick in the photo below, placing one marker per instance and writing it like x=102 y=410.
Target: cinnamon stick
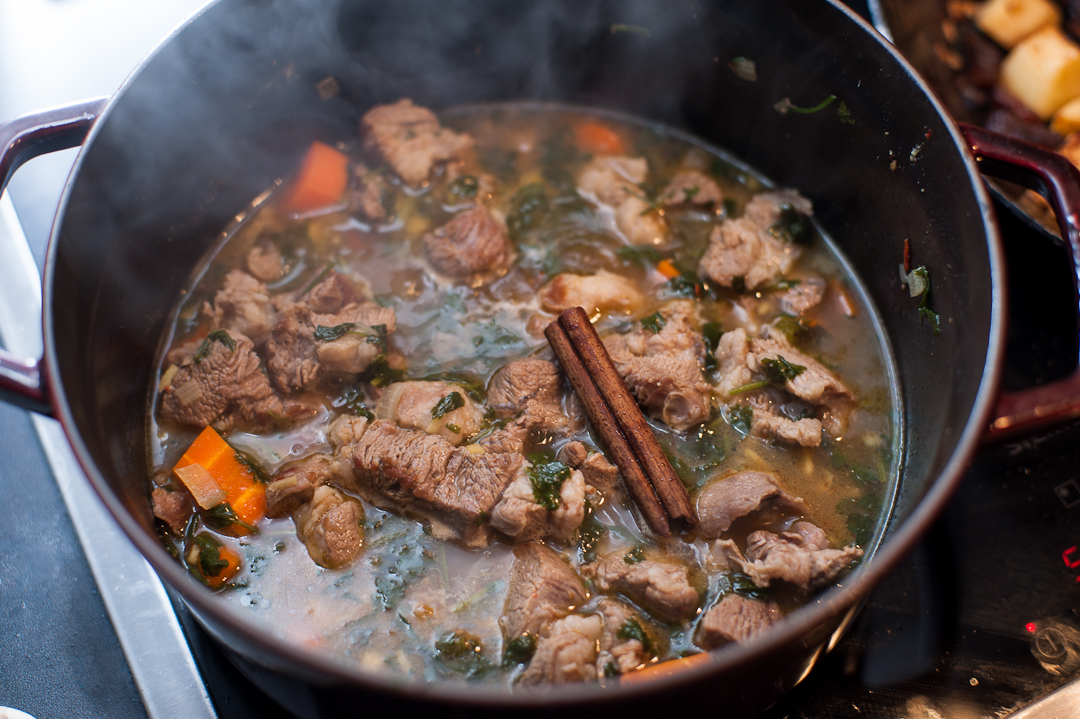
x=637 y=484
x=669 y=489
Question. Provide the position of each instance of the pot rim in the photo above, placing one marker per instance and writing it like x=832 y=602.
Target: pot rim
x=831 y=606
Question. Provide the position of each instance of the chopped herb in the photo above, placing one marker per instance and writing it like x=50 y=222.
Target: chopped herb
x=631 y=629
x=319 y=278
x=547 y=477
x=403 y=619
x=639 y=253
x=379 y=373
x=449 y=403
x=461 y=653
x=741 y=417
x=528 y=209
x=493 y=425
x=519 y=650
x=453 y=428
x=744 y=68
x=749 y=387
x=466 y=187
x=654 y=322
x=793 y=226
x=845 y=114
x=253 y=466
x=785 y=106
x=222 y=516
x=611 y=670
x=329 y=334
x=738 y=284
x=684 y=284
x=379 y=338
x=209 y=563
x=739 y=583
x=780 y=371
x=689 y=192
x=590 y=532
x=711 y=333
x=630 y=30
x=216 y=336
x=634 y=556
x=918 y=281
x=486 y=591
x=792 y=327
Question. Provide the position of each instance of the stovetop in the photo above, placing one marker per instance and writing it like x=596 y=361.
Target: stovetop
x=981 y=620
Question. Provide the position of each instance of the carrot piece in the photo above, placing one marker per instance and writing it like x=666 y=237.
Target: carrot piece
x=243 y=491
x=202 y=485
x=667 y=269
x=598 y=138
x=211 y=560
x=324 y=173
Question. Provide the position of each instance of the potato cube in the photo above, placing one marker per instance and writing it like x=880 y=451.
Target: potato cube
x=1043 y=71
x=1010 y=21
x=1067 y=119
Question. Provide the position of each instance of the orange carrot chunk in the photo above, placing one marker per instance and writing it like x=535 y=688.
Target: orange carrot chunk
x=598 y=138
x=242 y=489
x=324 y=173
x=667 y=269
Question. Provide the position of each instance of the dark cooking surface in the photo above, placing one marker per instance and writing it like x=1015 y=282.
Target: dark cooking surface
x=954 y=611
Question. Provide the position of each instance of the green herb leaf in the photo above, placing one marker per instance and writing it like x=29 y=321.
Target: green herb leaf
x=216 y=336
x=785 y=106
x=780 y=371
x=611 y=670
x=222 y=516
x=738 y=284
x=632 y=630
x=257 y=471
x=449 y=403
x=792 y=327
x=379 y=339
x=519 y=650
x=547 y=477
x=741 y=417
x=711 y=332
x=640 y=253
x=379 y=373
x=634 y=556
x=210 y=564
x=749 y=387
x=528 y=209
x=793 y=226
x=683 y=285
x=739 y=583
x=845 y=114
x=654 y=322
x=453 y=428
x=329 y=334
x=590 y=532
x=461 y=653
x=465 y=187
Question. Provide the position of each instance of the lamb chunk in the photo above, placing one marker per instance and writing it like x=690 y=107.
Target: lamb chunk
x=736 y=619
x=600 y=293
x=330 y=527
x=471 y=247
x=812 y=536
x=173 y=508
x=796 y=557
x=369 y=194
x=691 y=188
x=295 y=485
x=815 y=383
x=541 y=589
x=455 y=488
x=723 y=501
x=803 y=297
x=618 y=648
x=663 y=369
x=344 y=433
x=805 y=431
x=231 y=385
x=529 y=391
x=416 y=406
x=731 y=353
x=410 y=139
x=520 y=516
x=611 y=180
x=295 y=359
x=264 y=262
x=638 y=222
x=567 y=654
x=747 y=248
x=600 y=474
x=331 y=294
x=242 y=305
x=661 y=589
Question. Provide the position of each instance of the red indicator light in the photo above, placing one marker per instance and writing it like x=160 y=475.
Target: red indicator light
x=1030 y=626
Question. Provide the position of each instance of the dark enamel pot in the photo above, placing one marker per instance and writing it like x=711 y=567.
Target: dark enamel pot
x=228 y=105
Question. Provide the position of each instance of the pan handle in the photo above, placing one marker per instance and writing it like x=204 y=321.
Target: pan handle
x=1058 y=180
x=22 y=380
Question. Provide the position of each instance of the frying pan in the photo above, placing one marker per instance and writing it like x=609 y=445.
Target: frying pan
x=228 y=105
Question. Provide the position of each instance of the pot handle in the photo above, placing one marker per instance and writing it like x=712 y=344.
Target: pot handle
x=1058 y=180
x=22 y=139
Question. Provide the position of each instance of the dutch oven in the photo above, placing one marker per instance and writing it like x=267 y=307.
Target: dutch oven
x=229 y=104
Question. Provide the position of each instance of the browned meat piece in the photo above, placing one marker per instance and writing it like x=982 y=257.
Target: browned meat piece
x=691 y=188
x=600 y=293
x=264 y=262
x=614 y=181
x=472 y=247
x=600 y=474
x=425 y=475
x=530 y=392
x=173 y=508
x=661 y=589
x=731 y=353
x=410 y=139
x=736 y=619
x=663 y=369
x=541 y=589
x=295 y=485
x=331 y=526
x=814 y=383
x=369 y=194
x=413 y=406
x=803 y=297
x=295 y=358
x=723 y=501
x=227 y=383
x=333 y=293
x=747 y=248
x=796 y=557
x=805 y=432
x=344 y=433
x=520 y=516
x=567 y=654
x=242 y=305
x=619 y=650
